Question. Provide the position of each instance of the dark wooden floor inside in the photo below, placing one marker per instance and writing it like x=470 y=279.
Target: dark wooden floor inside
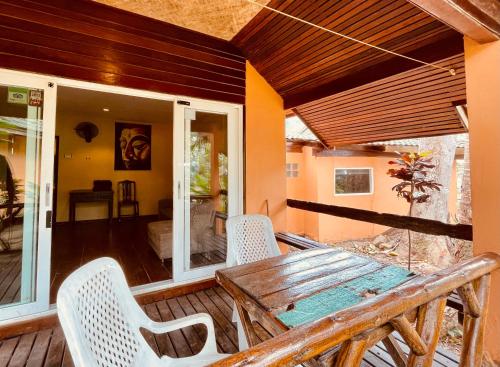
x=76 y=244
x=47 y=347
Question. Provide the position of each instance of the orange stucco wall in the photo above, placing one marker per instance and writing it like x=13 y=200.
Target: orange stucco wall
x=315 y=183
x=264 y=150
x=482 y=70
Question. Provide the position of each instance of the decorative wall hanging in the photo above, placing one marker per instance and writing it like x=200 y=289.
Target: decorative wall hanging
x=87 y=130
x=132 y=146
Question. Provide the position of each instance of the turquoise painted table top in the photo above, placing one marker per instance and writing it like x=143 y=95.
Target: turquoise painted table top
x=304 y=286
x=344 y=295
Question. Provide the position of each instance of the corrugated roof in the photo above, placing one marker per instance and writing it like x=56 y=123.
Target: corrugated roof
x=462 y=139
x=295 y=129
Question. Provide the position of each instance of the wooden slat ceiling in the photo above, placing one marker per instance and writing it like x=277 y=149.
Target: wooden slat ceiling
x=415 y=103
x=303 y=63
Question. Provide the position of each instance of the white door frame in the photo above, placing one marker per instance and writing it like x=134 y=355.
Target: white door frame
x=21 y=78
x=43 y=248
x=235 y=180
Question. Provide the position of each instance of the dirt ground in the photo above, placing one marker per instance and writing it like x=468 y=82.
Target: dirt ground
x=392 y=247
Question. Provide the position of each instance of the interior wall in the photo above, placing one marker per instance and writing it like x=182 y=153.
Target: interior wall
x=483 y=105
x=265 y=176
x=81 y=163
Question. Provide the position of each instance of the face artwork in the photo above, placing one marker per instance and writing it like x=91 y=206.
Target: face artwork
x=133 y=151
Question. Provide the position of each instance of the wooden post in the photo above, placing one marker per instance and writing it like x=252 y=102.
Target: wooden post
x=429 y=321
x=246 y=323
x=395 y=351
x=468 y=296
x=405 y=328
x=351 y=353
x=472 y=347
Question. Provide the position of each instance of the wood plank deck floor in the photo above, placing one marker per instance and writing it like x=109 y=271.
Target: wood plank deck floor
x=47 y=348
x=10 y=276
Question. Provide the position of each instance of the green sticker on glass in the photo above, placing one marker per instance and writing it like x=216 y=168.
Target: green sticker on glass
x=17 y=95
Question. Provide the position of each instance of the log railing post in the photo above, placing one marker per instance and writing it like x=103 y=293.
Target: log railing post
x=411 y=337
x=429 y=320
x=472 y=346
x=351 y=353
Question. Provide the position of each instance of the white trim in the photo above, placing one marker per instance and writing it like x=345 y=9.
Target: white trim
x=43 y=247
x=372 y=188
x=181 y=200
x=34 y=80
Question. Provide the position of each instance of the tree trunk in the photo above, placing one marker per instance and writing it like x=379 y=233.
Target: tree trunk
x=434 y=249
x=463 y=248
x=464 y=213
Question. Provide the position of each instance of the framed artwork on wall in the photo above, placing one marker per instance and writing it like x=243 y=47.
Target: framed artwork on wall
x=132 y=146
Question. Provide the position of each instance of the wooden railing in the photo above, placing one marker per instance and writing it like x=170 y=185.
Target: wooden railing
x=355 y=329
x=460 y=231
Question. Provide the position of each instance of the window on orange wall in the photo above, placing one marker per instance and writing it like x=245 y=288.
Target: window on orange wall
x=353 y=181
x=292 y=170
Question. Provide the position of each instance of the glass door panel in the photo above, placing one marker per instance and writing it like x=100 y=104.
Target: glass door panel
x=22 y=111
x=207 y=139
x=206 y=188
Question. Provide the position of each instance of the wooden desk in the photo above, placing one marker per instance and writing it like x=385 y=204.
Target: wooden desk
x=88 y=196
x=302 y=287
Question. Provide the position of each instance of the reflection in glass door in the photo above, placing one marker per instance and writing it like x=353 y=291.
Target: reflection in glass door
x=24 y=196
x=209 y=186
x=206 y=190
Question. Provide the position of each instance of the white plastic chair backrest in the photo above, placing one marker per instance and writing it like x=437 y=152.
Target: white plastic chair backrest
x=101 y=318
x=250 y=238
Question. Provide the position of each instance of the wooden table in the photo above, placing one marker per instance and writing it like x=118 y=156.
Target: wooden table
x=88 y=196
x=301 y=287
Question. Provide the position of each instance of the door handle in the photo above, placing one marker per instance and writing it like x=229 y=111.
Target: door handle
x=48 y=193
x=179 y=190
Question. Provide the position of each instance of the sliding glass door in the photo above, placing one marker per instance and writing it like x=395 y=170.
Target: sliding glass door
x=27 y=106
x=207 y=155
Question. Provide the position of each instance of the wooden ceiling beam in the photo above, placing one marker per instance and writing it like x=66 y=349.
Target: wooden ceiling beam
x=444 y=48
x=476 y=19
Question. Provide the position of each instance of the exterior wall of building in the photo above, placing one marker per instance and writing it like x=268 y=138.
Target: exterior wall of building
x=316 y=183
x=264 y=150
x=483 y=105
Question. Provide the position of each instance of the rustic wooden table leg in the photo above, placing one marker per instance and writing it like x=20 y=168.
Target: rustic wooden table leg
x=472 y=347
x=246 y=323
x=351 y=353
x=395 y=351
x=429 y=321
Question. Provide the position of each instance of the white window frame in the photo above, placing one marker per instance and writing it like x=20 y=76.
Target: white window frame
x=372 y=188
x=291 y=170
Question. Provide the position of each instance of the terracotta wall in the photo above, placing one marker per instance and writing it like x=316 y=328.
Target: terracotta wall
x=316 y=183
x=482 y=67
x=264 y=150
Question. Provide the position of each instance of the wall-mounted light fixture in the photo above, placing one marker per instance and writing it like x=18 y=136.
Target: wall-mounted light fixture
x=87 y=130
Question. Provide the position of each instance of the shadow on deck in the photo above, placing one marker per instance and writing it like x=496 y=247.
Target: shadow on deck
x=48 y=348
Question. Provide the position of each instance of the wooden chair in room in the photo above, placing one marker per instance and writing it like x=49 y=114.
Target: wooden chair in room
x=127 y=198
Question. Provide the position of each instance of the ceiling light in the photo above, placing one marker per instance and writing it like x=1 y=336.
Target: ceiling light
x=105 y=109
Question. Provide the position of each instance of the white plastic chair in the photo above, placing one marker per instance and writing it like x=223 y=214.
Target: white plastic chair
x=249 y=238
x=101 y=321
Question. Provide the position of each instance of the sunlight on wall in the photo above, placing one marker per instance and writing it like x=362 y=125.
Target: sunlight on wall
x=265 y=150
x=483 y=105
